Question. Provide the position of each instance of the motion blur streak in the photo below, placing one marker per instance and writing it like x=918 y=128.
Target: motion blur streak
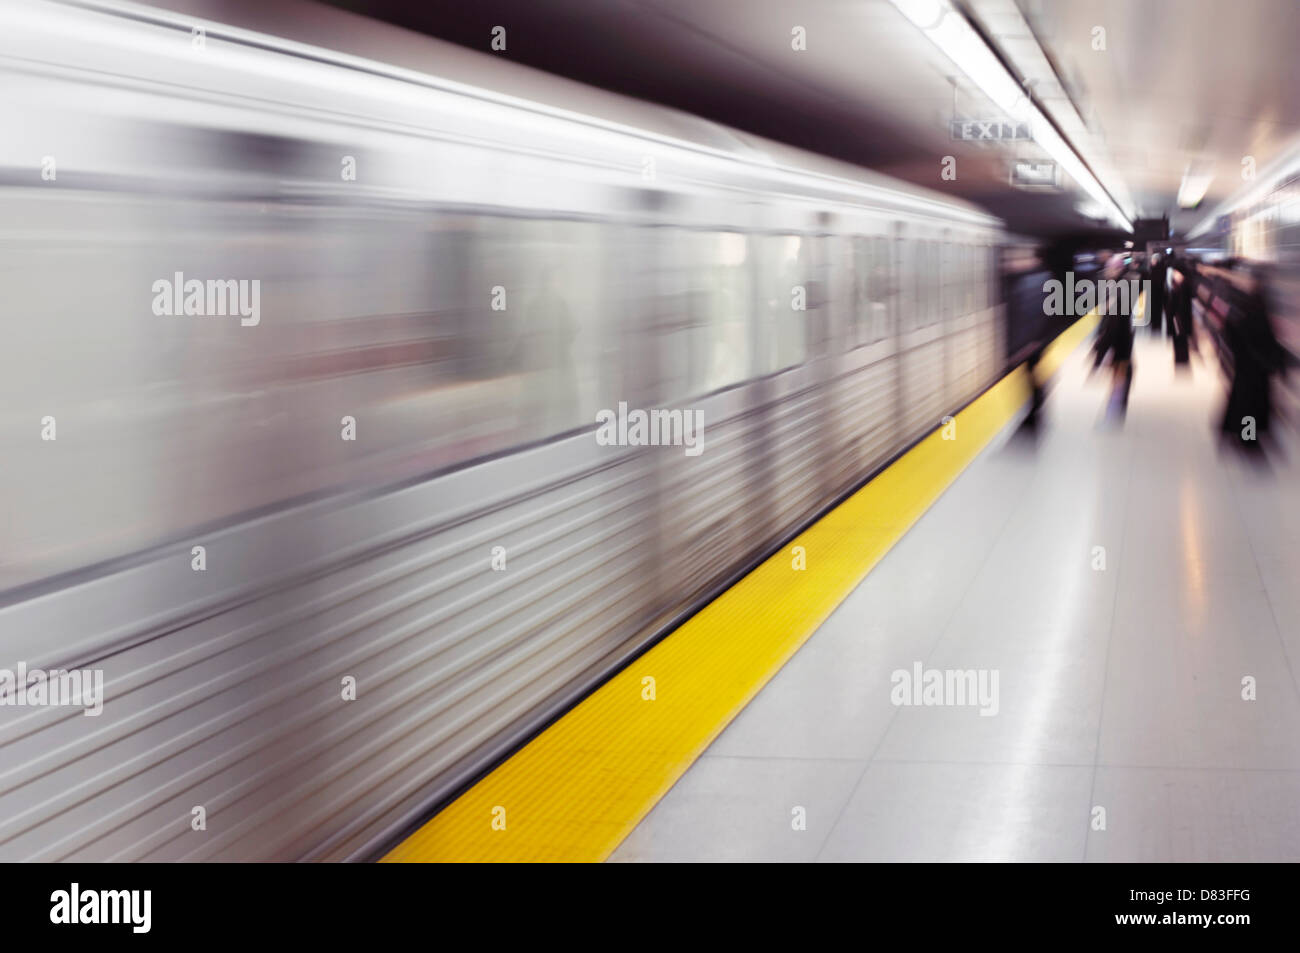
x=462 y=282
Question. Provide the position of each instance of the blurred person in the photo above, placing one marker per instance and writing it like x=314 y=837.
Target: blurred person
x=1031 y=355
x=1029 y=323
x=1115 y=336
x=1156 y=306
x=1256 y=356
x=1036 y=393
x=1179 y=309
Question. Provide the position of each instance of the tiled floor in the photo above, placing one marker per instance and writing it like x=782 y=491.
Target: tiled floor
x=1121 y=730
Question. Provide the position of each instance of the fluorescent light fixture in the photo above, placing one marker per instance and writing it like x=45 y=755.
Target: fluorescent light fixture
x=948 y=30
x=1090 y=209
x=1196 y=182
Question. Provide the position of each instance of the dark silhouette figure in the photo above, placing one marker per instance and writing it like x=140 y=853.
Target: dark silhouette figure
x=1155 y=308
x=1115 y=337
x=1255 y=355
x=1179 y=308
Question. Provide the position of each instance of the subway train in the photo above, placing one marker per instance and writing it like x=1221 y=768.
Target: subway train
x=305 y=357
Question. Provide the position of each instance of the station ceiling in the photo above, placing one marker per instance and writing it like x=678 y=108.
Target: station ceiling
x=1179 y=84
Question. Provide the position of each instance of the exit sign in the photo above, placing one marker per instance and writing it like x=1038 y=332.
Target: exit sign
x=988 y=130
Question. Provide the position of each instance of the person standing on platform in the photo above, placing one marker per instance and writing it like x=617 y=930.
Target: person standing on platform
x=1179 y=307
x=1115 y=336
x=1256 y=357
x=1155 y=308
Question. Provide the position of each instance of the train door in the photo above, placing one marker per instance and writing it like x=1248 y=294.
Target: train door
x=955 y=323
x=825 y=320
x=899 y=303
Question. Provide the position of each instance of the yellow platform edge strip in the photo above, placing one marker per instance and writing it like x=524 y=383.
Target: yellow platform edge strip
x=580 y=787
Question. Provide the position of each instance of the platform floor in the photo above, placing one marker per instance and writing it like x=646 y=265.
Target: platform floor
x=1120 y=689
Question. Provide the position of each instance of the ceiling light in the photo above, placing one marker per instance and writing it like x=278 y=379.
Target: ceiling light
x=951 y=33
x=1196 y=182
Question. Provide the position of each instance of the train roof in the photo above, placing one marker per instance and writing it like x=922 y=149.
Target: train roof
x=312 y=29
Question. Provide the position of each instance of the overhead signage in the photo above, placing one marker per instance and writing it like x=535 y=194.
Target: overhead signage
x=1031 y=173
x=988 y=130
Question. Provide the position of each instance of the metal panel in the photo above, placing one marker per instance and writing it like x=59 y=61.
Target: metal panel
x=922 y=376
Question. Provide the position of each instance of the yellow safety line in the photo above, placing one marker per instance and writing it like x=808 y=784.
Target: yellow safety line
x=577 y=789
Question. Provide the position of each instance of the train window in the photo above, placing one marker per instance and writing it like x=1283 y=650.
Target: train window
x=905 y=252
x=787 y=294
x=915 y=303
x=930 y=285
x=961 y=279
x=961 y=260
x=711 y=348
x=551 y=321
x=880 y=287
x=992 y=289
x=920 y=311
x=983 y=286
x=936 y=281
x=930 y=276
x=955 y=280
x=935 y=272
x=950 y=280
x=861 y=330
x=442 y=338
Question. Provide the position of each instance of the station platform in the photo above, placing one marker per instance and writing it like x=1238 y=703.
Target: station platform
x=1123 y=595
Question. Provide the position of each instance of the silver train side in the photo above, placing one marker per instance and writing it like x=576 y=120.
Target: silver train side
x=655 y=265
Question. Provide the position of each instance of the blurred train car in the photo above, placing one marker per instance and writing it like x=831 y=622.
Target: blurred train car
x=470 y=278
